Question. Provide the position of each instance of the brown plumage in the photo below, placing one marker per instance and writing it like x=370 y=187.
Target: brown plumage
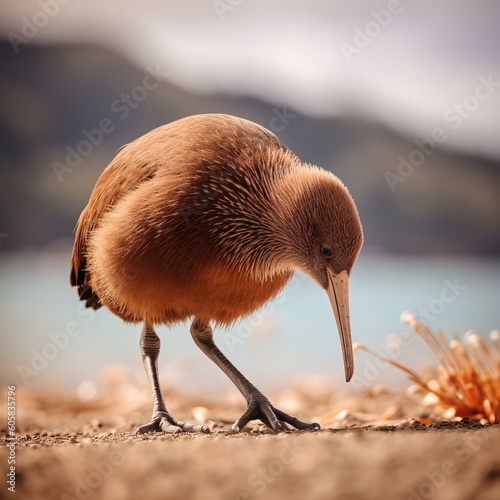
x=207 y=218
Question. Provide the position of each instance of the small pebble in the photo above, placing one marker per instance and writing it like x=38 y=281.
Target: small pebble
x=95 y=423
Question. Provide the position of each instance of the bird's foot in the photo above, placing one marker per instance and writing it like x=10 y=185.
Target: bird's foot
x=275 y=419
x=166 y=423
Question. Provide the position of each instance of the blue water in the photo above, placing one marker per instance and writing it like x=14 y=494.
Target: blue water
x=291 y=337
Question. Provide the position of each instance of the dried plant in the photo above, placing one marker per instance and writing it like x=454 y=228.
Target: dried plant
x=467 y=382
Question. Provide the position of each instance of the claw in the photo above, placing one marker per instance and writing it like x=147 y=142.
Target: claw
x=170 y=426
x=273 y=418
x=195 y=428
x=171 y=429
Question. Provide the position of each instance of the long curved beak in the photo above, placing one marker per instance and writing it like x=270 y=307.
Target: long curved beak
x=338 y=293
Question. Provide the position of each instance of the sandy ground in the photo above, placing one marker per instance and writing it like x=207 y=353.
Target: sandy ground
x=67 y=449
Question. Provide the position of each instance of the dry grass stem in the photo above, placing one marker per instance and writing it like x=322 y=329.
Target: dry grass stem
x=467 y=380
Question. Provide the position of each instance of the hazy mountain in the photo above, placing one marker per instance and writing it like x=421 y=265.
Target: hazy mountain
x=54 y=98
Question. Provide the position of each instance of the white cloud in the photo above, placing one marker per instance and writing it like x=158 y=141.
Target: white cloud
x=425 y=59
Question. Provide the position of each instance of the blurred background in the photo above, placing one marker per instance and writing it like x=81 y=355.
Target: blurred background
x=401 y=100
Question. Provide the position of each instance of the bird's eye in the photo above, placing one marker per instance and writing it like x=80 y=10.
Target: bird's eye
x=327 y=252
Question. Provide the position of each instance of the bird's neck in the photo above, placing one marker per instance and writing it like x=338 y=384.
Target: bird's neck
x=274 y=246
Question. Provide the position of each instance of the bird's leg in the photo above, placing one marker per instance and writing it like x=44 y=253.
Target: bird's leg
x=161 y=419
x=259 y=407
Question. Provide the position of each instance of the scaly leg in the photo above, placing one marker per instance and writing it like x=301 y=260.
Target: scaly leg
x=161 y=419
x=259 y=406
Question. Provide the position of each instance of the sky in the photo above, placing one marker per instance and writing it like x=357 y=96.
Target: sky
x=428 y=70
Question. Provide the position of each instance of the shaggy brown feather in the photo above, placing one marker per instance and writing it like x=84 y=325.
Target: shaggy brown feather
x=208 y=216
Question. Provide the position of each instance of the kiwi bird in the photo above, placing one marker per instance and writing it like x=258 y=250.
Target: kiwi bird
x=207 y=218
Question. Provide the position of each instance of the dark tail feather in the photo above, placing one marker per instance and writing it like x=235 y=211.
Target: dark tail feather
x=88 y=295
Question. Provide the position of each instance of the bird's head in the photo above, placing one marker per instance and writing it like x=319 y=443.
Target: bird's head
x=325 y=237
